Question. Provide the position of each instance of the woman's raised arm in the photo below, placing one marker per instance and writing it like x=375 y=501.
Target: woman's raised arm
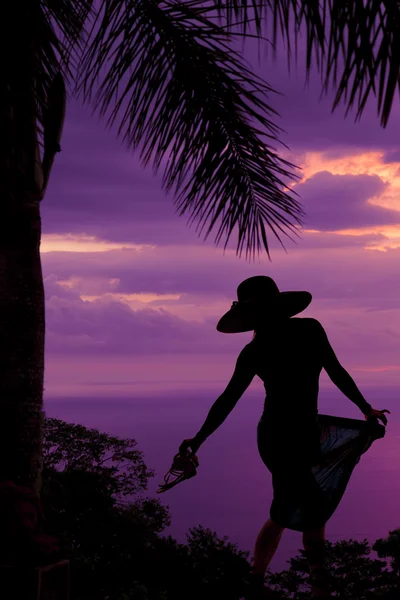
x=242 y=377
x=342 y=379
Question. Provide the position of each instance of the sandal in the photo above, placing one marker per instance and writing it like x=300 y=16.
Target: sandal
x=184 y=466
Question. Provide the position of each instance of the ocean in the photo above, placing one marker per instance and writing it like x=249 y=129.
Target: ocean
x=232 y=491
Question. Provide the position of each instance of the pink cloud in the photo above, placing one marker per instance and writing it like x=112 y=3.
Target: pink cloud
x=334 y=202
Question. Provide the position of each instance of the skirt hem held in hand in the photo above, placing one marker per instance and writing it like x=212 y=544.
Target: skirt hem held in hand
x=311 y=465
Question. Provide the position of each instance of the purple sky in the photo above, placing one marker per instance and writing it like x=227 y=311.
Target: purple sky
x=133 y=298
x=130 y=287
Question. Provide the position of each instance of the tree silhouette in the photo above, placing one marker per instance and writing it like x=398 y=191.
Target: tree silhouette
x=190 y=100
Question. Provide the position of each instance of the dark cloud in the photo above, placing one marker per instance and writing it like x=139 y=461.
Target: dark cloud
x=335 y=202
x=366 y=277
x=108 y=326
x=100 y=189
x=307 y=117
x=392 y=156
x=201 y=271
x=359 y=310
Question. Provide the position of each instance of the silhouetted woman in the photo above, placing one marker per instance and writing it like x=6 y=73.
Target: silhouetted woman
x=310 y=456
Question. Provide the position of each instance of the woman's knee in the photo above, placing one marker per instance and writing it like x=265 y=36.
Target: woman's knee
x=276 y=526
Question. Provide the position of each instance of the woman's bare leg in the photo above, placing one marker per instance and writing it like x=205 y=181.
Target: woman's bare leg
x=266 y=545
x=314 y=546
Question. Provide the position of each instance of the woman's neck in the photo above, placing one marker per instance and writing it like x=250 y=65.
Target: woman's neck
x=272 y=328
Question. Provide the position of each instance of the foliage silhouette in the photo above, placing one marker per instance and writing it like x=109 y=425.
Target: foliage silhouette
x=113 y=537
x=116 y=543
x=353 y=573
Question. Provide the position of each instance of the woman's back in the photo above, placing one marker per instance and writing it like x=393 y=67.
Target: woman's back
x=288 y=361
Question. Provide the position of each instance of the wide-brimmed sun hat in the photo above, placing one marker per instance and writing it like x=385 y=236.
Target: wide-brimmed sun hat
x=257 y=295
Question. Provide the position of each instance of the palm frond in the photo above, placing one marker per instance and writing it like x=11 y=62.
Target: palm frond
x=361 y=35
x=367 y=34
x=64 y=27
x=37 y=42
x=285 y=16
x=189 y=98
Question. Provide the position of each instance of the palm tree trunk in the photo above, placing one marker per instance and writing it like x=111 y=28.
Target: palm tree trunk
x=21 y=343
x=22 y=318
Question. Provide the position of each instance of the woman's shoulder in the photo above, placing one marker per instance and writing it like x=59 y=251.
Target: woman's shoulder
x=249 y=351
x=249 y=348
x=312 y=330
x=308 y=322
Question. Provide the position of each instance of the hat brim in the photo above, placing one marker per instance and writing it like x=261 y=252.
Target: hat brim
x=240 y=318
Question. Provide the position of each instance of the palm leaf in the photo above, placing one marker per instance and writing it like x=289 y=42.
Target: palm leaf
x=364 y=35
x=189 y=98
x=39 y=41
x=369 y=35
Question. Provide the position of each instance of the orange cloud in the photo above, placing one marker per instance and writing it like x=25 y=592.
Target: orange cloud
x=68 y=242
x=365 y=163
